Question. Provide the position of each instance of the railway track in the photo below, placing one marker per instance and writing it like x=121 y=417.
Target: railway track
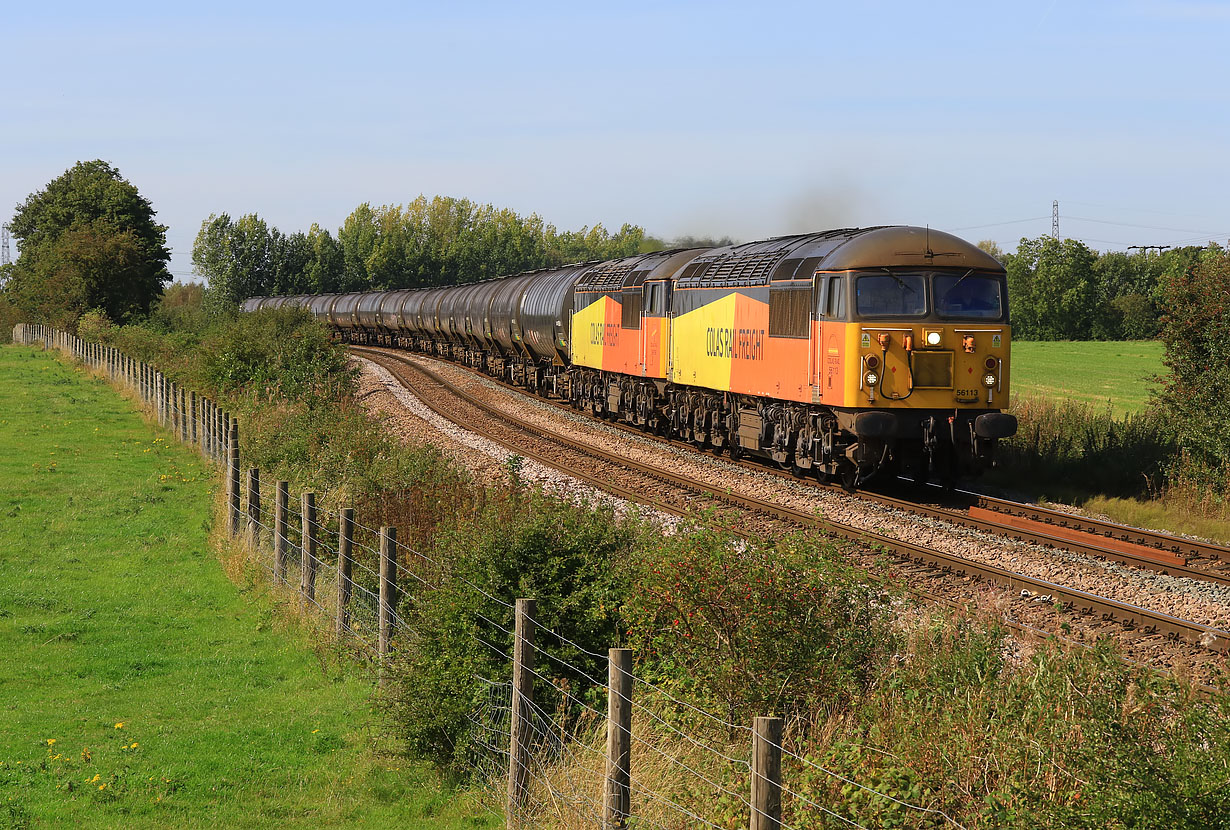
x=1135 y=547
x=595 y=466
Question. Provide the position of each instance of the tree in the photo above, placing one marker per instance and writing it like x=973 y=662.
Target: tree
x=292 y=256
x=237 y=257
x=992 y=248
x=357 y=239
x=324 y=271
x=88 y=240
x=1051 y=289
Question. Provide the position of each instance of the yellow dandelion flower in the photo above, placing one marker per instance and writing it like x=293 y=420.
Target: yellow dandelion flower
x=51 y=742
x=120 y=725
x=134 y=745
x=94 y=779
x=314 y=731
x=102 y=786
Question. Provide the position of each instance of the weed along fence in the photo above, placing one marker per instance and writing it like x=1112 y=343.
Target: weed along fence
x=646 y=759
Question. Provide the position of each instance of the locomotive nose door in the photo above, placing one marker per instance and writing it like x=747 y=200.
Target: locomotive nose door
x=830 y=335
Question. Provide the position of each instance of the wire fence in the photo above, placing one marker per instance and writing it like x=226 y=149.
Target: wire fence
x=551 y=755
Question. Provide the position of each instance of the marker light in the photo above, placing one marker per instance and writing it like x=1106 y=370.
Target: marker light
x=989 y=380
x=872 y=378
x=990 y=363
x=872 y=361
x=933 y=338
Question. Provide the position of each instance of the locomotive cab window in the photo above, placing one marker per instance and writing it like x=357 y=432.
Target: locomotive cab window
x=655 y=299
x=833 y=298
x=969 y=296
x=891 y=294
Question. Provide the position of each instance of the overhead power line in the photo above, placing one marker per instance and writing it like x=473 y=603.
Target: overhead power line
x=998 y=224
x=1130 y=225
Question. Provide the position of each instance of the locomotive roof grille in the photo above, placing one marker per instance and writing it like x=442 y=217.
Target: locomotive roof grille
x=606 y=277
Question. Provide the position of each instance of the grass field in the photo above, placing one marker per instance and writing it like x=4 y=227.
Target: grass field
x=1093 y=372
x=140 y=687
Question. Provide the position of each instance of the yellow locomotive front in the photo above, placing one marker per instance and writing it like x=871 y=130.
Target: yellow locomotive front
x=922 y=365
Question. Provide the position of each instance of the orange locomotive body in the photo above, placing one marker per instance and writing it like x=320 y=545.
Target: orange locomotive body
x=846 y=353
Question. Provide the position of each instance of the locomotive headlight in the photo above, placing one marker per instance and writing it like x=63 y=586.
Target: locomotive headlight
x=933 y=338
x=988 y=380
x=872 y=378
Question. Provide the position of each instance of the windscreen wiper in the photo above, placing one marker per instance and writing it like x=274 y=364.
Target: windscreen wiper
x=900 y=281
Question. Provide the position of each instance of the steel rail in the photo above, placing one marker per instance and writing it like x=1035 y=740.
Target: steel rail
x=1125 y=614
x=1111 y=530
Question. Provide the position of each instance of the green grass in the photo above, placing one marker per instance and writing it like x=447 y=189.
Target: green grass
x=1094 y=372
x=139 y=687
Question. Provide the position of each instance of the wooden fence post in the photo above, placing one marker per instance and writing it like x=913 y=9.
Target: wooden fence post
x=519 y=724
x=173 y=407
x=195 y=407
x=211 y=426
x=254 y=507
x=388 y=590
x=281 y=510
x=345 y=563
x=308 y=561
x=767 y=774
x=618 y=797
x=233 y=475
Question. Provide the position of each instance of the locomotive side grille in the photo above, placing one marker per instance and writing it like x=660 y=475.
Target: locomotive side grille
x=932 y=370
x=790 y=312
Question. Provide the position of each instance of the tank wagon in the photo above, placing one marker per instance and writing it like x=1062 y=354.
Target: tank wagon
x=843 y=354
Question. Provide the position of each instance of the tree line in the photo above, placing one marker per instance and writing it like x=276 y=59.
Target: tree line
x=90 y=242
x=436 y=241
x=1063 y=290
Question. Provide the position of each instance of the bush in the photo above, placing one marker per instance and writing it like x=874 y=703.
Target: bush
x=1062 y=738
x=515 y=543
x=1196 y=330
x=756 y=627
x=1085 y=449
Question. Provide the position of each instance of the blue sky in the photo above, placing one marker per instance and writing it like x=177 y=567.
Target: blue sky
x=714 y=118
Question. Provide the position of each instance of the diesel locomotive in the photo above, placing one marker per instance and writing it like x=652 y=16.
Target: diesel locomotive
x=844 y=354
